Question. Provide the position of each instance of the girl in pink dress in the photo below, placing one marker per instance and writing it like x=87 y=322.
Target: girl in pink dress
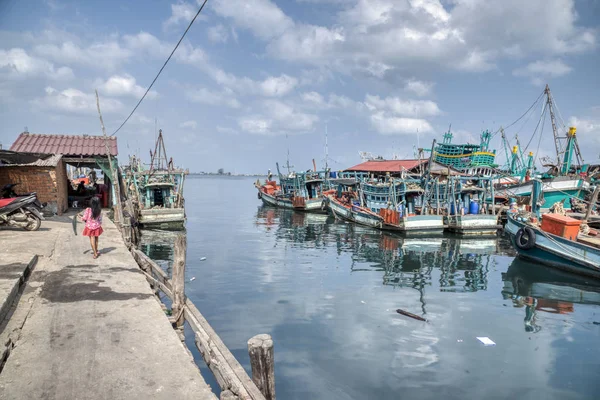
x=92 y=216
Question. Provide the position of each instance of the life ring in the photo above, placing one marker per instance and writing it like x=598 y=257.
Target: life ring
x=259 y=195
x=529 y=235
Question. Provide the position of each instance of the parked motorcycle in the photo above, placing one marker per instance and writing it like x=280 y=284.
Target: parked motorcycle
x=20 y=210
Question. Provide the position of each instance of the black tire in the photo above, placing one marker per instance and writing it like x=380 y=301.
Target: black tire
x=259 y=195
x=33 y=223
x=525 y=238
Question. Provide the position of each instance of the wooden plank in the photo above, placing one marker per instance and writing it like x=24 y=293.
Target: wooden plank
x=178 y=280
x=146 y=263
x=203 y=330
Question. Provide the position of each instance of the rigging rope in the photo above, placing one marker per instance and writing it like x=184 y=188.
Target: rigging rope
x=161 y=69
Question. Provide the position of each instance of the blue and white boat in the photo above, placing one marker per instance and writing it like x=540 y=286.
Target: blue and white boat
x=579 y=254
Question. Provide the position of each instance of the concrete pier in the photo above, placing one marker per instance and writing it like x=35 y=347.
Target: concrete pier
x=84 y=328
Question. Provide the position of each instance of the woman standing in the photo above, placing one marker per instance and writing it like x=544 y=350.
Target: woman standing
x=92 y=216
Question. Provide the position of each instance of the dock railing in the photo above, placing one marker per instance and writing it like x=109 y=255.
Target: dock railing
x=229 y=374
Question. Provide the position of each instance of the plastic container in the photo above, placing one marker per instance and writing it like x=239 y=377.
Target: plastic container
x=333 y=175
x=562 y=226
x=474 y=207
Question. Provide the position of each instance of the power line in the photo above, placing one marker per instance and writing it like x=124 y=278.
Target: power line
x=161 y=69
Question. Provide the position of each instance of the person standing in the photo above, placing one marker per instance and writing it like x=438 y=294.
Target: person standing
x=92 y=216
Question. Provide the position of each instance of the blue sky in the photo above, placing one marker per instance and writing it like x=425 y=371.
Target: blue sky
x=254 y=78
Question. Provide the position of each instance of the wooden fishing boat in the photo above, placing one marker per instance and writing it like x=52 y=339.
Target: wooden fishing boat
x=158 y=189
x=383 y=208
x=468 y=213
x=556 y=241
x=297 y=191
x=566 y=175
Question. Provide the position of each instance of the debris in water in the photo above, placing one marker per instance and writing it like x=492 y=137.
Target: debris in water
x=459 y=340
x=596 y=323
x=409 y=314
x=202 y=258
x=362 y=301
x=193 y=278
x=486 y=341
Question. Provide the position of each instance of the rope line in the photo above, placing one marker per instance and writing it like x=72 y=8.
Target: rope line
x=161 y=69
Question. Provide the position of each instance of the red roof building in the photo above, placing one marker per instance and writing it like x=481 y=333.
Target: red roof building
x=383 y=166
x=67 y=145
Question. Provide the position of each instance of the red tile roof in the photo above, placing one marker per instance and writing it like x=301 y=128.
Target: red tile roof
x=68 y=145
x=386 y=165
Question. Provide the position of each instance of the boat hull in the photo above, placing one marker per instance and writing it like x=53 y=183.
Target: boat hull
x=554 y=191
x=310 y=205
x=163 y=218
x=557 y=252
x=476 y=224
x=416 y=224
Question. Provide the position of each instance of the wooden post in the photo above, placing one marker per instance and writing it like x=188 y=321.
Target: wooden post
x=178 y=280
x=260 y=348
x=593 y=202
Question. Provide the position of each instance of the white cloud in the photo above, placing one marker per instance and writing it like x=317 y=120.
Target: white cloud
x=538 y=71
x=205 y=96
x=18 y=64
x=412 y=108
x=314 y=98
x=181 y=12
x=388 y=125
x=585 y=125
x=256 y=124
x=74 y=101
x=419 y=88
x=278 y=118
x=278 y=86
x=124 y=85
x=307 y=43
x=218 y=34
x=188 y=124
x=261 y=17
x=103 y=55
x=225 y=129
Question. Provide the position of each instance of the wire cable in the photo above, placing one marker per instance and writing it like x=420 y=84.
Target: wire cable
x=161 y=69
x=524 y=114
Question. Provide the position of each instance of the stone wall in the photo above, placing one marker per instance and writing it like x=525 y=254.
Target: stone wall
x=50 y=184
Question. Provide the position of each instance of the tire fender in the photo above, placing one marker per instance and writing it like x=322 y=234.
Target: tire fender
x=525 y=238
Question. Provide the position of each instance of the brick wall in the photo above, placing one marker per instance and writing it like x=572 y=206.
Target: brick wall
x=48 y=182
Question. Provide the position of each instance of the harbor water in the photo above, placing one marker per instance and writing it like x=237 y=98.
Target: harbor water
x=328 y=291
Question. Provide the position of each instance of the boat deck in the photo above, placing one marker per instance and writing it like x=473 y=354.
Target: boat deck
x=589 y=240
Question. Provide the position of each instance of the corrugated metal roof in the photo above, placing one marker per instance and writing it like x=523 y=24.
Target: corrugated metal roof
x=386 y=165
x=68 y=145
x=12 y=159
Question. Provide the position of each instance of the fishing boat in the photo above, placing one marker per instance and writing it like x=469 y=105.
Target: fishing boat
x=300 y=191
x=392 y=205
x=555 y=240
x=468 y=212
x=565 y=178
x=158 y=189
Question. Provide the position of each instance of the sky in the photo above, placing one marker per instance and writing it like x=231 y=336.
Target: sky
x=254 y=79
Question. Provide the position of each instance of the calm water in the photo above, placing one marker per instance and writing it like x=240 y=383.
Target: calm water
x=327 y=292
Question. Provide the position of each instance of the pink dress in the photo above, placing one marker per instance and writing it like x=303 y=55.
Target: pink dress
x=93 y=227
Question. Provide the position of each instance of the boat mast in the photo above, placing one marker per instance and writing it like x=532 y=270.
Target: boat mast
x=287 y=164
x=326 y=150
x=159 y=157
x=557 y=144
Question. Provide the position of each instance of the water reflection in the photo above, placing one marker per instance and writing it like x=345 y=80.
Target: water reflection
x=540 y=289
x=159 y=245
x=463 y=264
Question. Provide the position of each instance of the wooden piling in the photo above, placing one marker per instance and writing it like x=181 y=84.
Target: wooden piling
x=260 y=348
x=178 y=280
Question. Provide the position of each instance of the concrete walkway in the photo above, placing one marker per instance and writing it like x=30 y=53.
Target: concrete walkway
x=89 y=329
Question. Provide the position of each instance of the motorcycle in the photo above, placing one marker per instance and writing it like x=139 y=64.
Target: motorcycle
x=20 y=210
